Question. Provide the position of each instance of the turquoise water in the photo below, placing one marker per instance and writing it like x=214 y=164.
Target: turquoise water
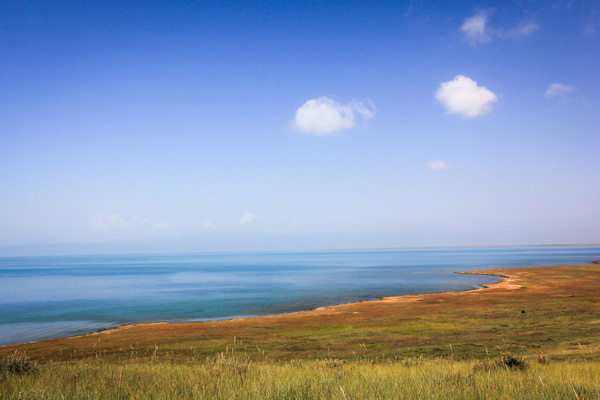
x=48 y=297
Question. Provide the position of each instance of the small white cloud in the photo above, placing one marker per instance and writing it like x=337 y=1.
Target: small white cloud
x=523 y=30
x=147 y=222
x=365 y=108
x=247 y=218
x=478 y=31
x=558 y=90
x=324 y=115
x=591 y=22
x=437 y=165
x=462 y=96
x=160 y=225
x=475 y=29
x=208 y=225
x=111 y=221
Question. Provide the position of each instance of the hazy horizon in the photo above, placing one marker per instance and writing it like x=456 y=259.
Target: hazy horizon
x=197 y=246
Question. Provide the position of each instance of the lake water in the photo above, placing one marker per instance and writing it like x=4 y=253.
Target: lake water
x=49 y=297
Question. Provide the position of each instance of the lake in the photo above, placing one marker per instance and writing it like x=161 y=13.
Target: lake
x=49 y=297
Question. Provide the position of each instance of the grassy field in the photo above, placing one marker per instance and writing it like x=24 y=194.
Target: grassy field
x=448 y=345
x=231 y=377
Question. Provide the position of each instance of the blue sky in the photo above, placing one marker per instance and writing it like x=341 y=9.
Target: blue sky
x=208 y=126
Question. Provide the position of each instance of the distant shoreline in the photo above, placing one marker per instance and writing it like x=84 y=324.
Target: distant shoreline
x=12 y=249
x=485 y=246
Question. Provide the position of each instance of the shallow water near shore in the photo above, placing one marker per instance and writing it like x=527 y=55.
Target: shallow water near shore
x=49 y=297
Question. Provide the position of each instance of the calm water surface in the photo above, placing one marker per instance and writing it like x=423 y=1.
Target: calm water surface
x=48 y=297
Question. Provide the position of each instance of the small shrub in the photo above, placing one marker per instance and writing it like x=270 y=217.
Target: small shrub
x=18 y=364
x=541 y=358
x=511 y=361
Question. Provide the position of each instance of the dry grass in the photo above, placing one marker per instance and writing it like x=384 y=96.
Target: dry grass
x=230 y=377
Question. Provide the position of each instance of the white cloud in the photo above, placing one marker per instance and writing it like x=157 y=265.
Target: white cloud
x=111 y=221
x=324 y=115
x=475 y=29
x=478 y=31
x=365 y=108
x=160 y=225
x=247 y=218
x=437 y=165
x=558 y=90
x=208 y=225
x=463 y=96
x=523 y=30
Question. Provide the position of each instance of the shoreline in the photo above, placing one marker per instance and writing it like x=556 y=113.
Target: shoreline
x=502 y=283
x=530 y=309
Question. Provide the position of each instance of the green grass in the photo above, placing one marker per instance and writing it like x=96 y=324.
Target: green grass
x=238 y=377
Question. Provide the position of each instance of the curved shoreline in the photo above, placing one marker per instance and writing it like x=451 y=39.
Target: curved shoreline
x=505 y=282
x=537 y=308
